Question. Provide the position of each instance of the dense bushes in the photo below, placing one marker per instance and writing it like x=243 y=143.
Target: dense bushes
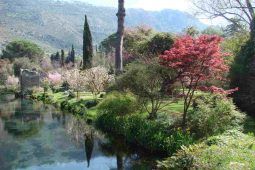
x=151 y=135
x=147 y=81
x=231 y=150
x=119 y=104
x=213 y=114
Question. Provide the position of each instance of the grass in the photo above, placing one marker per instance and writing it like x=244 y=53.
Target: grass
x=73 y=103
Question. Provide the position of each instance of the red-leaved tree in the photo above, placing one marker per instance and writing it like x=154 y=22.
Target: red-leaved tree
x=196 y=61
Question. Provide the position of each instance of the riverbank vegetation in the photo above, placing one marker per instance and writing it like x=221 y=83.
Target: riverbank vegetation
x=173 y=97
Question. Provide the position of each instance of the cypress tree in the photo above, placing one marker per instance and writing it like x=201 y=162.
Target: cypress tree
x=62 y=62
x=87 y=46
x=57 y=57
x=72 y=55
x=68 y=58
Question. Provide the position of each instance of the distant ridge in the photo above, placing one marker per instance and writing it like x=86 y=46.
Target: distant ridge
x=57 y=24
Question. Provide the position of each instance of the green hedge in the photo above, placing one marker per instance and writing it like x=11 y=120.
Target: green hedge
x=150 y=135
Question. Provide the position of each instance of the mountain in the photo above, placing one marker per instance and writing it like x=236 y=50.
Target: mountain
x=57 y=24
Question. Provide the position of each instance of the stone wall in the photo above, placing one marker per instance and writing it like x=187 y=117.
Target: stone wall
x=28 y=80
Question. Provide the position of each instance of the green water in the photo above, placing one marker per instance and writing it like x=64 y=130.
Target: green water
x=35 y=136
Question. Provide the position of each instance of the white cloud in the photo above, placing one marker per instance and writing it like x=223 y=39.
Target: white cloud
x=156 y=5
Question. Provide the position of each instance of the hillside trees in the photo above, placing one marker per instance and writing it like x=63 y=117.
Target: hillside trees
x=87 y=46
x=197 y=61
x=22 y=48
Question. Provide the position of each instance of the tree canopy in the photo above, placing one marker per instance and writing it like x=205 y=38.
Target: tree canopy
x=22 y=48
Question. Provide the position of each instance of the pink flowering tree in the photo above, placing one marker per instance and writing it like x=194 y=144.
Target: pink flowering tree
x=196 y=61
x=76 y=79
x=55 y=79
x=97 y=79
x=12 y=82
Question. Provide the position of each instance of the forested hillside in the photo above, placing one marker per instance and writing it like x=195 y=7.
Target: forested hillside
x=55 y=24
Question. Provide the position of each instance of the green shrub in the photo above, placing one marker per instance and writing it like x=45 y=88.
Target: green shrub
x=148 y=83
x=213 y=114
x=119 y=104
x=91 y=103
x=150 y=135
x=231 y=150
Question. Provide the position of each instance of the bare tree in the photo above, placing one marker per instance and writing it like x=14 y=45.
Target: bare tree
x=234 y=11
x=120 y=32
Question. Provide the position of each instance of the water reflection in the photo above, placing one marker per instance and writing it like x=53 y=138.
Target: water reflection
x=89 y=145
x=38 y=136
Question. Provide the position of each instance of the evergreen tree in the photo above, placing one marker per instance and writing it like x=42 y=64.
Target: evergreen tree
x=68 y=57
x=87 y=46
x=62 y=58
x=57 y=57
x=72 y=55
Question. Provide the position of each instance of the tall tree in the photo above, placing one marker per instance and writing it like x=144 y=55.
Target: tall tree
x=234 y=11
x=72 y=55
x=57 y=57
x=62 y=60
x=120 y=34
x=87 y=46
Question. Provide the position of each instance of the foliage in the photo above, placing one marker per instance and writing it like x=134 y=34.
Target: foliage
x=55 y=60
x=213 y=114
x=242 y=76
x=5 y=70
x=119 y=104
x=22 y=48
x=157 y=44
x=231 y=150
x=87 y=46
x=132 y=37
x=146 y=81
x=192 y=31
x=140 y=42
x=212 y=30
x=233 y=45
x=12 y=82
x=45 y=64
x=196 y=60
x=23 y=63
x=151 y=135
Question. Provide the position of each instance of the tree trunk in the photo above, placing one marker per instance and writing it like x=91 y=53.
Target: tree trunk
x=120 y=33
x=119 y=162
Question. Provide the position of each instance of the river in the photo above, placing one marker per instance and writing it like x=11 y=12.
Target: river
x=34 y=136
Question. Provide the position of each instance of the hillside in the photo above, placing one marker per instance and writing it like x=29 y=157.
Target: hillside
x=55 y=24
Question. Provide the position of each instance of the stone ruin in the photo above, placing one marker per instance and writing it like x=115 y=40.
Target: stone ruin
x=28 y=80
